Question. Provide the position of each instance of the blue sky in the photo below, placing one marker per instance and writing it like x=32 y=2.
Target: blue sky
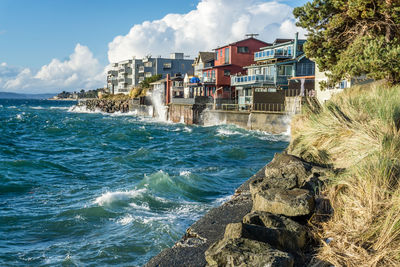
x=33 y=33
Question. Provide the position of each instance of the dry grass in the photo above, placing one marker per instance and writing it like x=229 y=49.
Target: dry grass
x=358 y=131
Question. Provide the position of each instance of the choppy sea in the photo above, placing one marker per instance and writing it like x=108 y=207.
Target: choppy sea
x=91 y=189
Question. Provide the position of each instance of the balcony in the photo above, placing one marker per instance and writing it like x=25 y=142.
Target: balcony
x=141 y=69
x=258 y=79
x=208 y=79
x=273 y=53
x=125 y=80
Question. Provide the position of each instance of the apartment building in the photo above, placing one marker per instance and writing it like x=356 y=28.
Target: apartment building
x=129 y=73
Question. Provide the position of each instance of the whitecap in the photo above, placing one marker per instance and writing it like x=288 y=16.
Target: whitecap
x=185 y=173
x=228 y=132
x=144 y=206
x=38 y=107
x=110 y=197
x=127 y=219
x=187 y=129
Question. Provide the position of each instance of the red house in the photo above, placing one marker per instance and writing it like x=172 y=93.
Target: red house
x=230 y=59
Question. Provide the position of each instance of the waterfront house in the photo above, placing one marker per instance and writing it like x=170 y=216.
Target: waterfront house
x=324 y=95
x=273 y=66
x=202 y=61
x=230 y=59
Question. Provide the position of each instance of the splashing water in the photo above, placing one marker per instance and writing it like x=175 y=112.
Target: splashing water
x=161 y=111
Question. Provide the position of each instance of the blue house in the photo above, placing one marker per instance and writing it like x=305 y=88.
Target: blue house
x=274 y=65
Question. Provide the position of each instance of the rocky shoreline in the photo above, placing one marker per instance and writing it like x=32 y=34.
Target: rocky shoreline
x=107 y=105
x=265 y=223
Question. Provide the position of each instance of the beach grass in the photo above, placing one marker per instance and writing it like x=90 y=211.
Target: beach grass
x=357 y=131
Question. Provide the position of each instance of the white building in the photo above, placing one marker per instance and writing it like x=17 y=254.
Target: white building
x=324 y=95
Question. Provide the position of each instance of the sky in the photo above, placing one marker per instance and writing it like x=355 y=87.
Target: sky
x=47 y=46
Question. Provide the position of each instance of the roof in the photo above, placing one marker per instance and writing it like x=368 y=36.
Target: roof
x=159 y=81
x=206 y=56
x=282 y=42
x=241 y=41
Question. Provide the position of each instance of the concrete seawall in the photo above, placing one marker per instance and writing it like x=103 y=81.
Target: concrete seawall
x=275 y=123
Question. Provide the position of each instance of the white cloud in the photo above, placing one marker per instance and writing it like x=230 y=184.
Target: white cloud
x=211 y=24
x=80 y=71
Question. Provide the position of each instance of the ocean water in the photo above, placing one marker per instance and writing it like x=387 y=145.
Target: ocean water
x=91 y=189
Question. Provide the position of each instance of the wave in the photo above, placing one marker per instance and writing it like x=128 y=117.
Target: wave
x=12 y=107
x=231 y=130
x=109 y=198
x=37 y=107
x=83 y=109
x=127 y=219
x=185 y=173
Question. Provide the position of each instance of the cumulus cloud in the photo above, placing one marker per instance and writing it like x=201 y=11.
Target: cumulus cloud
x=80 y=71
x=211 y=24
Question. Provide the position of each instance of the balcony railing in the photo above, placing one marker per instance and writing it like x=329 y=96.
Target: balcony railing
x=273 y=53
x=263 y=107
x=258 y=79
x=208 y=79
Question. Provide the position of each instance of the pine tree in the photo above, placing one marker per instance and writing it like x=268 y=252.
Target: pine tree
x=354 y=37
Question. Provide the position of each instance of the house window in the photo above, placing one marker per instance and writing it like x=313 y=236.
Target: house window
x=220 y=53
x=216 y=55
x=148 y=64
x=213 y=74
x=343 y=84
x=227 y=72
x=289 y=51
x=148 y=74
x=226 y=55
x=285 y=70
x=243 y=49
x=167 y=65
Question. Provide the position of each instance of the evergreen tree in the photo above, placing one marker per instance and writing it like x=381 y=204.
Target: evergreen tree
x=353 y=37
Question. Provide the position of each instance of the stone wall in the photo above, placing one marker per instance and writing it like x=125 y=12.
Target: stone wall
x=275 y=123
x=107 y=105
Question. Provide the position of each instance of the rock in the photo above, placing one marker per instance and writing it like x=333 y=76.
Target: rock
x=244 y=252
x=290 y=233
x=295 y=202
x=279 y=238
x=285 y=166
x=288 y=172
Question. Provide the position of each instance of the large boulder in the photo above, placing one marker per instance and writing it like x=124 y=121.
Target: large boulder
x=285 y=166
x=291 y=234
x=245 y=252
x=292 y=203
x=279 y=238
x=288 y=172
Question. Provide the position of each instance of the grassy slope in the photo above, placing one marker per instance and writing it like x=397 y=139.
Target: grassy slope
x=358 y=130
